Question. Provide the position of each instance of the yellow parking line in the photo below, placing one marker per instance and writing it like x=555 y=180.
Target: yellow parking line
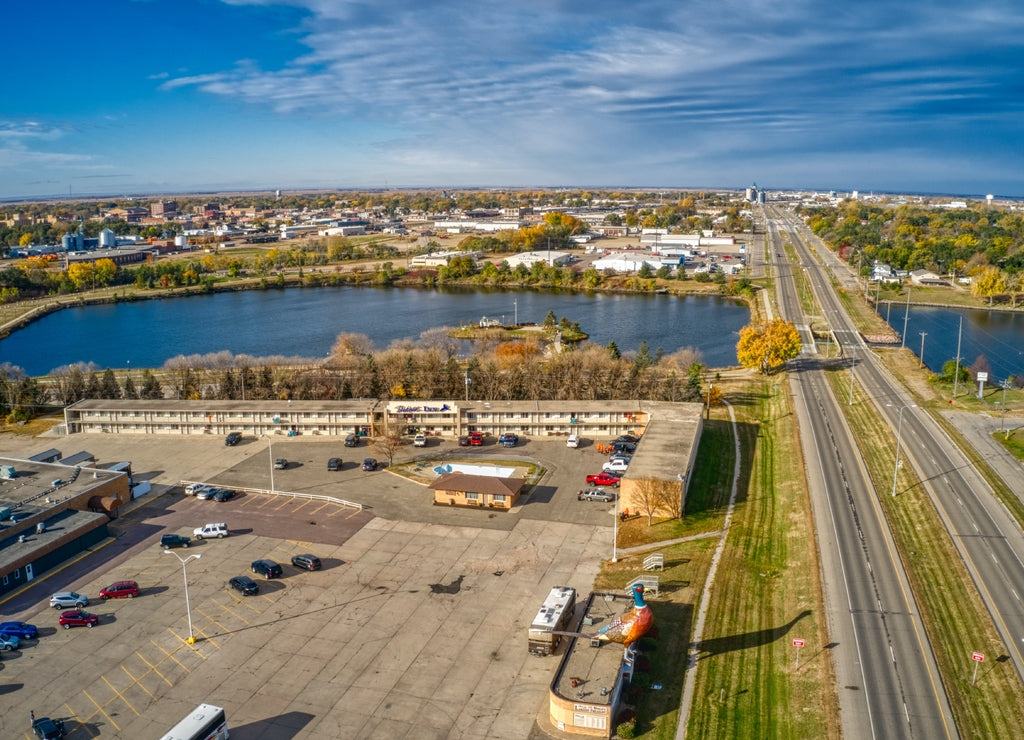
x=154 y=669
x=72 y=714
x=119 y=695
x=200 y=635
x=171 y=656
x=100 y=710
x=138 y=683
x=324 y=505
x=219 y=624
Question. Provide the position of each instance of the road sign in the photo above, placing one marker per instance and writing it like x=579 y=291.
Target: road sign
x=978 y=657
x=800 y=643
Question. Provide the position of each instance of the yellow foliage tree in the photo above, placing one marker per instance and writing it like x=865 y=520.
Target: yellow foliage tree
x=768 y=346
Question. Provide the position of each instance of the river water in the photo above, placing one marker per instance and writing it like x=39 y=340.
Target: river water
x=996 y=335
x=305 y=322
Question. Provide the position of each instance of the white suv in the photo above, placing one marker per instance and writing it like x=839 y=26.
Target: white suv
x=615 y=464
x=420 y=440
x=573 y=441
x=214 y=529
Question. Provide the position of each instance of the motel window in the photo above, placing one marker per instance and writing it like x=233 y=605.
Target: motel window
x=472 y=496
x=499 y=498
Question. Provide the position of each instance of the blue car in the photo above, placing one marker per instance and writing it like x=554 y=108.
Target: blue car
x=19 y=629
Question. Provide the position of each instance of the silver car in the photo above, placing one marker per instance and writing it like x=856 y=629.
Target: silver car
x=595 y=495
x=9 y=642
x=68 y=600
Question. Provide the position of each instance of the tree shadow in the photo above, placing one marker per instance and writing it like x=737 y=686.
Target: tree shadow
x=718 y=645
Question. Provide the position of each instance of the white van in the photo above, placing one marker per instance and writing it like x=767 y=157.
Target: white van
x=214 y=529
x=193 y=488
x=572 y=441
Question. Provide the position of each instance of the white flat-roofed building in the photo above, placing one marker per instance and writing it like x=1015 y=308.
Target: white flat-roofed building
x=529 y=259
x=626 y=262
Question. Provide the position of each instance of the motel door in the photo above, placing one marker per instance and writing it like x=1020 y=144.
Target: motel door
x=28 y=572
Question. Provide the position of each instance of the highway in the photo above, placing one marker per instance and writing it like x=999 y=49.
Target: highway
x=989 y=540
x=888 y=681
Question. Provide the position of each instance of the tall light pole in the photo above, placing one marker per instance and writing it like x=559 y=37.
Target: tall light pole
x=899 y=431
x=270 y=449
x=184 y=572
x=1005 y=384
x=906 y=318
x=923 y=335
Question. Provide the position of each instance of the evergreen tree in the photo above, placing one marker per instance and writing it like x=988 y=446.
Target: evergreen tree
x=92 y=387
x=108 y=386
x=151 y=388
x=613 y=350
x=129 y=390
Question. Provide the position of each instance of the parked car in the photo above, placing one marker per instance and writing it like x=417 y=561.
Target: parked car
x=334 y=463
x=595 y=495
x=193 y=488
x=233 y=438
x=224 y=494
x=213 y=529
x=23 y=630
x=207 y=493
x=476 y=439
x=602 y=479
x=280 y=463
x=573 y=441
x=244 y=585
x=509 y=439
x=120 y=590
x=48 y=729
x=9 y=642
x=420 y=440
x=168 y=541
x=78 y=618
x=629 y=447
x=617 y=464
x=351 y=441
x=64 y=599
x=369 y=464
x=464 y=441
x=628 y=438
x=306 y=561
x=267 y=568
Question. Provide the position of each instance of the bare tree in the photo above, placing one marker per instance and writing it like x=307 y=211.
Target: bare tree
x=390 y=441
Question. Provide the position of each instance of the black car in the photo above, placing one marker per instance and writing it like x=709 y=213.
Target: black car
x=174 y=540
x=244 y=585
x=628 y=447
x=48 y=729
x=627 y=438
x=334 y=463
x=351 y=441
x=369 y=464
x=267 y=568
x=232 y=439
x=224 y=494
x=306 y=561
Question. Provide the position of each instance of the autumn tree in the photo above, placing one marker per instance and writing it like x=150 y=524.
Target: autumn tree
x=768 y=346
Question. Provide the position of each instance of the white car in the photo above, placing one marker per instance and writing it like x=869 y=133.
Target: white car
x=617 y=465
x=213 y=529
x=68 y=600
x=193 y=488
x=420 y=440
x=572 y=441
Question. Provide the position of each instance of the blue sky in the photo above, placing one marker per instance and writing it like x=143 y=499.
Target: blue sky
x=145 y=96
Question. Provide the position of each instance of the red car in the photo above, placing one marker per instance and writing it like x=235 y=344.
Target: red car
x=602 y=479
x=78 y=618
x=476 y=439
x=120 y=590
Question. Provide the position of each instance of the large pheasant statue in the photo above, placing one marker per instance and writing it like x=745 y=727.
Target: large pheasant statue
x=631 y=626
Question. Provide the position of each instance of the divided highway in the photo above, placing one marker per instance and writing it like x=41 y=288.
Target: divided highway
x=889 y=684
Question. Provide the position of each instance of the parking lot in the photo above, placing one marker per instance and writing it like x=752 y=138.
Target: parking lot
x=415 y=627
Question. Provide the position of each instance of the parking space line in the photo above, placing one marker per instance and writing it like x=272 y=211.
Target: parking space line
x=322 y=506
x=153 y=668
x=220 y=625
x=137 y=682
x=202 y=639
x=171 y=656
x=100 y=710
x=241 y=601
x=72 y=714
x=119 y=694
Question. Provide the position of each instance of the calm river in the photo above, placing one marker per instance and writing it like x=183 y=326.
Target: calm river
x=304 y=322
x=996 y=335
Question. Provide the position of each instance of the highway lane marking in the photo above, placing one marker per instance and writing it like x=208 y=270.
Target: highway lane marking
x=1014 y=592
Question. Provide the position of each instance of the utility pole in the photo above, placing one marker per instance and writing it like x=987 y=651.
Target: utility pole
x=906 y=318
x=923 y=335
x=959 y=335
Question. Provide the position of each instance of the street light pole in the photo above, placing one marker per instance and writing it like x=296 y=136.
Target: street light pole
x=899 y=432
x=184 y=572
x=923 y=335
x=270 y=449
